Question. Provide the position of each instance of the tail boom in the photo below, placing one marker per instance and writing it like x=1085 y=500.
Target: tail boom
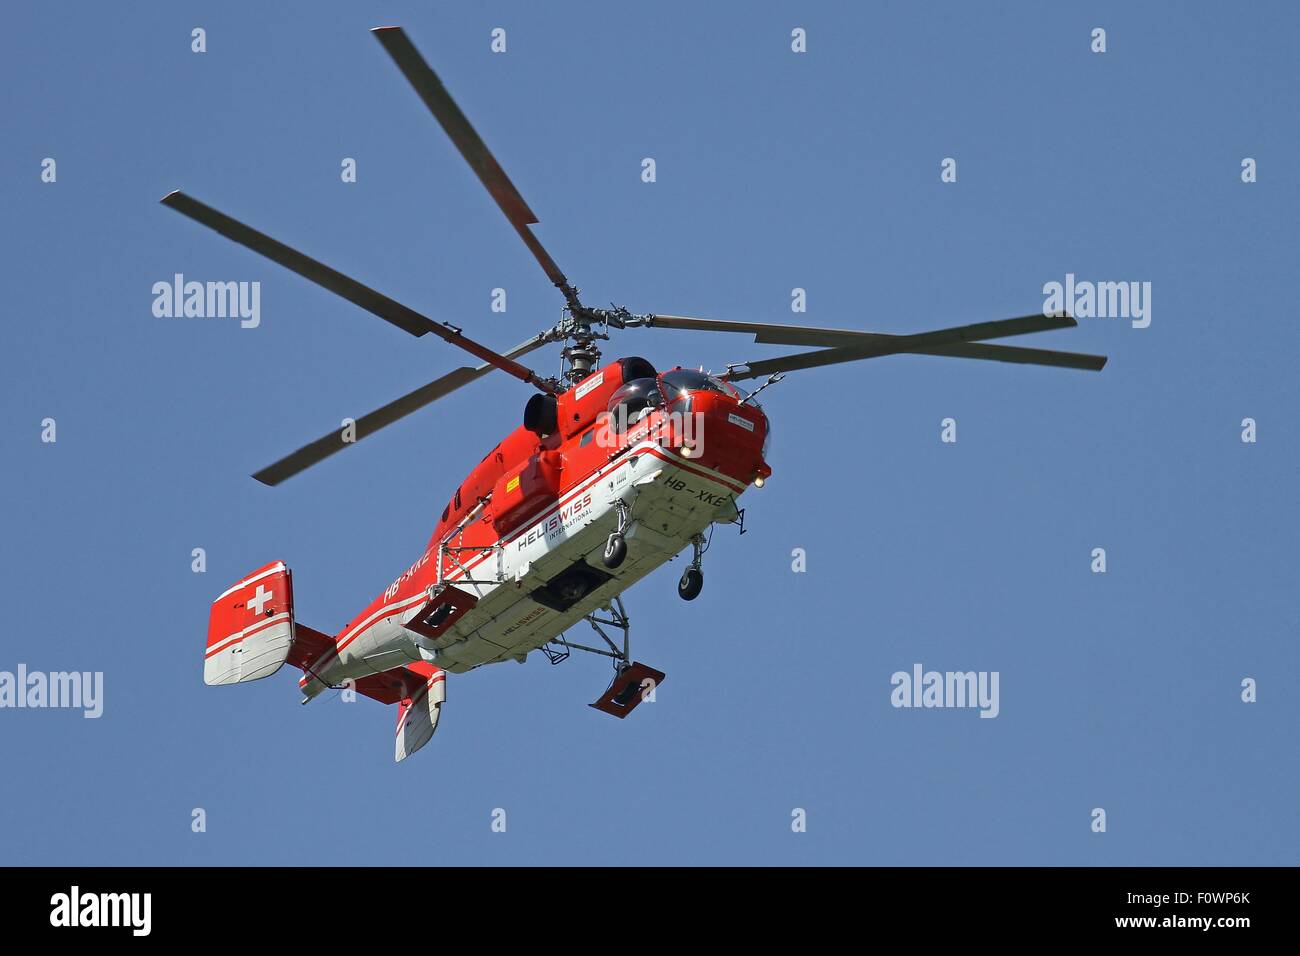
x=252 y=634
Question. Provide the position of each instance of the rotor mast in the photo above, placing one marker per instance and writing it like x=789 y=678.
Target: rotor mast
x=582 y=328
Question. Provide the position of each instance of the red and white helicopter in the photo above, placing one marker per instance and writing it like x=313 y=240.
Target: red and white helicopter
x=614 y=471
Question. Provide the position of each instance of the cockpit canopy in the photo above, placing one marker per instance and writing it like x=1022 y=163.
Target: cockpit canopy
x=680 y=382
x=635 y=399
x=670 y=387
x=632 y=398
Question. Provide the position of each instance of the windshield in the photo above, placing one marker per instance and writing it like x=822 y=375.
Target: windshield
x=681 y=382
x=632 y=399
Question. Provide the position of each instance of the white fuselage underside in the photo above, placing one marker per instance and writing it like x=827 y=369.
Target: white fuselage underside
x=671 y=500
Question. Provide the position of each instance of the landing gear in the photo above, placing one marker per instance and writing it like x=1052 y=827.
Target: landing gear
x=615 y=551
x=692 y=581
x=691 y=584
x=633 y=682
x=616 y=546
x=617 y=618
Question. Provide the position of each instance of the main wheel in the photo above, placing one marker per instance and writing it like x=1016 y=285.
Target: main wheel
x=691 y=584
x=615 y=551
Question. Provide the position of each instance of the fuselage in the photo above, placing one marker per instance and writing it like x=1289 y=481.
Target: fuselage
x=659 y=457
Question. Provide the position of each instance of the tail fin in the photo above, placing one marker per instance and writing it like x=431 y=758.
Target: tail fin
x=252 y=633
x=417 y=715
x=418 y=690
x=251 y=628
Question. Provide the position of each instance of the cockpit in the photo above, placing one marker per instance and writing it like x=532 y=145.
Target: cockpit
x=674 y=392
x=679 y=383
x=634 y=399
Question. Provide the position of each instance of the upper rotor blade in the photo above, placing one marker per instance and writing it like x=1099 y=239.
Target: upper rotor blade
x=879 y=345
x=804 y=335
x=332 y=442
x=444 y=109
x=772 y=334
x=1020 y=356
x=374 y=302
x=767 y=332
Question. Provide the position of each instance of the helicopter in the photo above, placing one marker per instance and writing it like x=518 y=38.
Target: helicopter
x=616 y=469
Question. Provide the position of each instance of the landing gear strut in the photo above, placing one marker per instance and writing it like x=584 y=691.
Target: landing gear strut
x=692 y=582
x=616 y=546
x=617 y=619
x=633 y=681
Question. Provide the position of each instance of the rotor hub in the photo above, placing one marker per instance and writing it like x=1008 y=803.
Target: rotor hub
x=581 y=328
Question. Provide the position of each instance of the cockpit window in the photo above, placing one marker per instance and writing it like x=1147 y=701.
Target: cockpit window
x=632 y=399
x=679 y=382
x=683 y=381
x=735 y=391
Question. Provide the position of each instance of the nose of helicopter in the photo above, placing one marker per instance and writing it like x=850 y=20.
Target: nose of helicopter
x=724 y=435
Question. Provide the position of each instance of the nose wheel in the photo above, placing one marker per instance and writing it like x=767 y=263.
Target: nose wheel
x=692 y=580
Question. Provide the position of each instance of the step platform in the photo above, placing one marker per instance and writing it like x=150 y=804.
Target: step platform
x=444 y=609
x=633 y=684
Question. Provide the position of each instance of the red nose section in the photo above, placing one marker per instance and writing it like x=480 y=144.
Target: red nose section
x=722 y=434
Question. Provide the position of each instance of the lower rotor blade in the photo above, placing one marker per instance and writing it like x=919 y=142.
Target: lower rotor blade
x=893 y=345
x=772 y=334
x=374 y=302
x=775 y=334
x=333 y=441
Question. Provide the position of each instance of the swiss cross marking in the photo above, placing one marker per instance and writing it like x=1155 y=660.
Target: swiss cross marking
x=259 y=599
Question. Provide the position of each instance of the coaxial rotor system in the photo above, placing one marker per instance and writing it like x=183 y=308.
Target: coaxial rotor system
x=581 y=327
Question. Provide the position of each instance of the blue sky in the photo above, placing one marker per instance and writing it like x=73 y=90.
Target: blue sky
x=775 y=170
